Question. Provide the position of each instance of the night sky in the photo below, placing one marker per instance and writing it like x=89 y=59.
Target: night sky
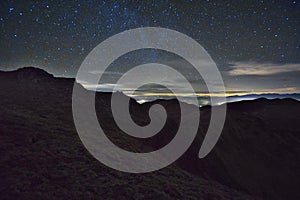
x=255 y=43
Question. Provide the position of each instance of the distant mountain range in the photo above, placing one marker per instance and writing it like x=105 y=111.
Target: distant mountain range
x=295 y=96
x=42 y=157
x=203 y=101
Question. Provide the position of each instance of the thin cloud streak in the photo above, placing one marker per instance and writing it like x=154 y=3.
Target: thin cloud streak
x=261 y=69
x=286 y=90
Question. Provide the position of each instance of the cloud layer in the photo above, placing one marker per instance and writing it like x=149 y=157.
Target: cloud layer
x=261 y=69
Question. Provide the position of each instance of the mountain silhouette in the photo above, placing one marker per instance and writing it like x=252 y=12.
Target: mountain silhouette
x=256 y=157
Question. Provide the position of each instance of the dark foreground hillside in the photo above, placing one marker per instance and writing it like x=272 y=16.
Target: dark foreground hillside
x=42 y=157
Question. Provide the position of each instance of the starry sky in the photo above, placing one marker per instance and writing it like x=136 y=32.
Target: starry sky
x=255 y=44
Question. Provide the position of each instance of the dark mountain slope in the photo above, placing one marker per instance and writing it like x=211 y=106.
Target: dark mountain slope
x=258 y=151
x=42 y=156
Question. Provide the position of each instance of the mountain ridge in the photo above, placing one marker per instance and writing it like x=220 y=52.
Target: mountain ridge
x=256 y=155
x=38 y=73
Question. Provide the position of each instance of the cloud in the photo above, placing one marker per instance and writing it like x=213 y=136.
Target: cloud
x=107 y=87
x=261 y=69
x=98 y=72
